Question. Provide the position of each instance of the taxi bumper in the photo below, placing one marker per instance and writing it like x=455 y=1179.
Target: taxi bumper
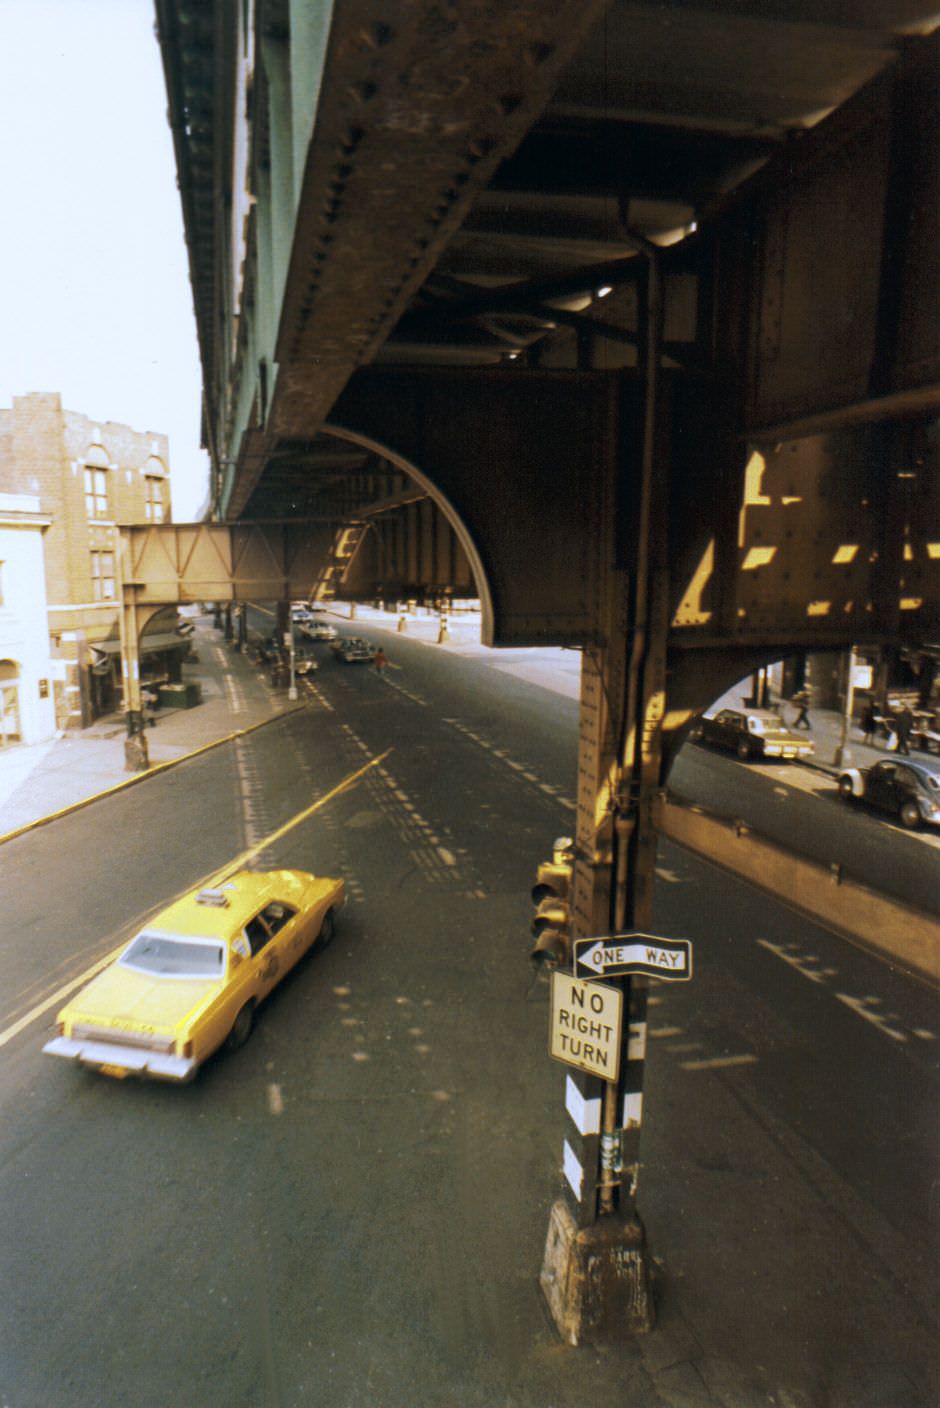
x=132 y=1059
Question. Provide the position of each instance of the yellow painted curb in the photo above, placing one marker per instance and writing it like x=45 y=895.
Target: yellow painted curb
x=148 y=773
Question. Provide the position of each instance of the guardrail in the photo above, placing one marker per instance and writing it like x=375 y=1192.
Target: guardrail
x=823 y=892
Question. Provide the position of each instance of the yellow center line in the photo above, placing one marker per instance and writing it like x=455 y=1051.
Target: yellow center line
x=215 y=877
x=58 y=995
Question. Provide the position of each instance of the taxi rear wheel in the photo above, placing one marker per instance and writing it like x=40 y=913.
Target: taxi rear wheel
x=744 y=750
x=910 y=814
x=327 y=929
x=241 y=1027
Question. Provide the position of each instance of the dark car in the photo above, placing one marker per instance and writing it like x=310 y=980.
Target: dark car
x=754 y=733
x=911 y=790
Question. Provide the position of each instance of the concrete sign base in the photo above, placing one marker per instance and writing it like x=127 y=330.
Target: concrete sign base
x=596 y=1279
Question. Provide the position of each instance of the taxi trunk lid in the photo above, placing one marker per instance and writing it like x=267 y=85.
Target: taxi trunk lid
x=139 y=1003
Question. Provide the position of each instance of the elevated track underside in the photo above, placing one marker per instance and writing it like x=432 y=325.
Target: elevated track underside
x=470 y=264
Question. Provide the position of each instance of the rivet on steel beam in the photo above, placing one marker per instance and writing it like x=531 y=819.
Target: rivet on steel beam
x=350 y=142
x=536 y=54
x=508 y=103
x=375 y=36
x=363 y=92
x=479 y=148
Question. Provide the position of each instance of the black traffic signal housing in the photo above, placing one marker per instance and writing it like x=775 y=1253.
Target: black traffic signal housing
x=551 y=895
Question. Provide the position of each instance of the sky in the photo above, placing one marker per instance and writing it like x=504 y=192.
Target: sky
x=95 y=300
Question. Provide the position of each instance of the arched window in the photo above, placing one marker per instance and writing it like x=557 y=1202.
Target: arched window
x=96 y=482
x=155 y=490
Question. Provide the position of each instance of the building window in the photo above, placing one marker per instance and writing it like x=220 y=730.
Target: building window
x=96 y=493
x=154 y=492
x=102 y=576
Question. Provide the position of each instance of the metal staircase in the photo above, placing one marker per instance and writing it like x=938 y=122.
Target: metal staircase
x=345 y=545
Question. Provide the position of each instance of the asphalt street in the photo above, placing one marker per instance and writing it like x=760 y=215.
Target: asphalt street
x=351 y=1210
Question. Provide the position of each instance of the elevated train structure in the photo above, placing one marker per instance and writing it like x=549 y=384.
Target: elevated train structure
x=624 y=313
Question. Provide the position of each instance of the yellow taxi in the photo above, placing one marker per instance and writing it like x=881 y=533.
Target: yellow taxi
x=191 y=979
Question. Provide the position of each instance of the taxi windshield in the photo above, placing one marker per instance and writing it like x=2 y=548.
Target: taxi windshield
x=166 y=956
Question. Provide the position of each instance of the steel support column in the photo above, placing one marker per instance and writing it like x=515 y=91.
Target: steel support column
x=596 y=1274
x=136 y=753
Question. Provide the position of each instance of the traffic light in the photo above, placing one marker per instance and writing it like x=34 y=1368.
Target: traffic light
x=550 y=893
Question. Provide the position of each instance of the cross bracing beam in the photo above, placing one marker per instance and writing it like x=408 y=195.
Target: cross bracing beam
x=183 y=562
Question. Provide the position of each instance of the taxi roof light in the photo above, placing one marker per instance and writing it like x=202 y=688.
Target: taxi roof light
x=215 y=899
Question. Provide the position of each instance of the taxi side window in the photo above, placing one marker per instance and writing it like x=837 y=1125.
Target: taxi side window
x=257 y=933
x=276 y=915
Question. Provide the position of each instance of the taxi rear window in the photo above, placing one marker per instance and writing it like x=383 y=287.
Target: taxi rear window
x=168 y=957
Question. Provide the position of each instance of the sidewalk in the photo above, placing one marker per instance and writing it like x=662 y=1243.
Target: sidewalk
x=825 y=732
x=39 y=780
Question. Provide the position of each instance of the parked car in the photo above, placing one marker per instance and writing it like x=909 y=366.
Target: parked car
x=911 y=790
x=190 y=980
x=754 y=733
x=319 y=630
x=353 y=650
x=306 y=665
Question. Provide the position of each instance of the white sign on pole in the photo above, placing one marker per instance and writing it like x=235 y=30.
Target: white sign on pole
x=622 y=954
x=585 y=1025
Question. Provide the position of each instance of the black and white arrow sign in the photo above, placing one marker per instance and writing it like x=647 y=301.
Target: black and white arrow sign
x=634 y=953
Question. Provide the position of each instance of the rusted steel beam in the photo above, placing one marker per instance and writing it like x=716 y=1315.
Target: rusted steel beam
x=418 y=106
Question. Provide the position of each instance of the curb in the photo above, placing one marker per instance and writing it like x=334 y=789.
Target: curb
x=145 y=775
x=824 y=893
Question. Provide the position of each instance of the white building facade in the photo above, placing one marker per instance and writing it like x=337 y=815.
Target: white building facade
x=27 y=671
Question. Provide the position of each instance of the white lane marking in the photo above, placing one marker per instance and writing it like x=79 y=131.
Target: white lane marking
x=669 y=875
x=446 y=856
x=863 y=1006
x=796 y=961
x=717 y=1063
x=924 y=1034
x=665 y=1031
x=275 y=1099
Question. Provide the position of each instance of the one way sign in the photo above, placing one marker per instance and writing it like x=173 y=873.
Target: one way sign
x=634 y=953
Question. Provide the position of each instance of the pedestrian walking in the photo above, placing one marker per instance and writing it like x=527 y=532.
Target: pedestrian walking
x=801 y=700
x=869 y=722
x=379 y=661
x=903 y=724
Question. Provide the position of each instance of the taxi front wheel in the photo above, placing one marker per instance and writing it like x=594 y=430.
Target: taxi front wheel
x=327 y=929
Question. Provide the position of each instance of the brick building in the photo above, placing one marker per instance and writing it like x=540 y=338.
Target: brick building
x=87 y=476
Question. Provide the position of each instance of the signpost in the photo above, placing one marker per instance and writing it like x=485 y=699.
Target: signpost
x=622 y=954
